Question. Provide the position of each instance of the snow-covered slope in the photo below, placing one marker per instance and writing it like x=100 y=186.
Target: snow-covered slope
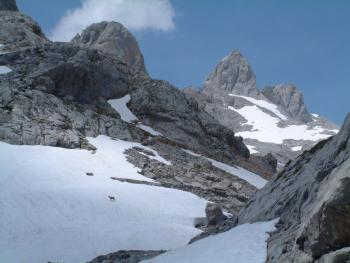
x=264 y=126
x=53 y=209
x=242 y=244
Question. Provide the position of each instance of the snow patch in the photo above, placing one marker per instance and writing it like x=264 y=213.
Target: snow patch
x=120 y=105
x=244 y=243
x=52 y=211
x=149 y=130
x=252 y=149
x=252 y=178
x=4 y=70
x=265 y=129
x=264 y=104
x=296 y=148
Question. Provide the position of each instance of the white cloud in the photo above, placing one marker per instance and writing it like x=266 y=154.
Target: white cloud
x=136 y=15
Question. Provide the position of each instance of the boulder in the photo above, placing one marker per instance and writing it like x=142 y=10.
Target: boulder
x=214 y=214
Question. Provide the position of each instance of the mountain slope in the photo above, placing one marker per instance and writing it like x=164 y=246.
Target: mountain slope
x=52 y=201
x=274 y=120
x=311 y=198
x=99 y=156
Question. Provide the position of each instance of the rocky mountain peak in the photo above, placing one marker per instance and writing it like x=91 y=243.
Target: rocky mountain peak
x=232 y=75
x=17 y=29
x=114 y=38
x=290 y=98
x=8 y=5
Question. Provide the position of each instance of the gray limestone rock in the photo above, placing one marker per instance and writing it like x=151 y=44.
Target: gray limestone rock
x=129 y=256
x=115 y=39
x=164 y=107
x=311 y=198
x=18 y=31
x=232 y=75
x=338 y=256
x=291 y=99
x=214 y=214
x=8 y=5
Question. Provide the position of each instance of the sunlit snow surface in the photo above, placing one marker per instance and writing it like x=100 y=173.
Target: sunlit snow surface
x=50 y=210
x=264 y=104
x=297 y=148
x=120 y=105
x=3 y=69
x=252 y=149
x=265 y=127
x=242 y=244
x=240 y=172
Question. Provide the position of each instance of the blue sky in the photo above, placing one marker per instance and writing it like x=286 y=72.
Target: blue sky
x=302 y=42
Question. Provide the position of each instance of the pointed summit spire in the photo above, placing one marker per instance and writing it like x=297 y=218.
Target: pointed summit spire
x=232 y=75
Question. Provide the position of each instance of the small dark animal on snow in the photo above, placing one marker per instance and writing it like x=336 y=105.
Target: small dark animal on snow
x=89 y=174
x=112 y=198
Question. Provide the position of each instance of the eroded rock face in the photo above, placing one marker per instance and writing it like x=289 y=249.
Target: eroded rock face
x=160 y=105
x=290 y=98
x=115 y=39
x=311 y=197
x=232 y=75
x=130 y=256
x=18 y=30
x=8 y=5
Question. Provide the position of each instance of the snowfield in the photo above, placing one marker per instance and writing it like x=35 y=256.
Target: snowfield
x=242 y=244
x=52 y=210
x=264 y=104
x=265 y=128
x=120 y=105
x=252 y=178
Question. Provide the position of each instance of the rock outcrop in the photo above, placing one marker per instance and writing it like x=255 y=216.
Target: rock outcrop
x=131 y=256
x=8 y=5
x=232 y=75
x=115 y=39
x=312 y=199
x=18 y=30
x=291 y=99
x=214 y=214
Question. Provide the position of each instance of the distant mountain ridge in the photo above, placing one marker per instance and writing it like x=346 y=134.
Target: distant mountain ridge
x=274 y=120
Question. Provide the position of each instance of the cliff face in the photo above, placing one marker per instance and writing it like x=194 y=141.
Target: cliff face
x=115 y=39
x=232 y=75
x=291 y=99
x=311 y=198
x=8 y=5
